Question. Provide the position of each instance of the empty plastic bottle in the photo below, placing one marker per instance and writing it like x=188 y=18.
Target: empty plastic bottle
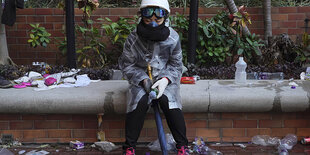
x=289 y=141
x=282 y=150
x=240 y=74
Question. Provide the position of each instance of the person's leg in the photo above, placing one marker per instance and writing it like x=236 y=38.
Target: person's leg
x=175 y=121
x=134 y=123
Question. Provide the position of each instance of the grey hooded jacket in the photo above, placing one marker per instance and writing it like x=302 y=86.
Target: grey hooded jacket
x=165 y=58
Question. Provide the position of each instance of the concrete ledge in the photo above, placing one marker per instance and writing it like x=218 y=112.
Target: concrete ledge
x=204 y=96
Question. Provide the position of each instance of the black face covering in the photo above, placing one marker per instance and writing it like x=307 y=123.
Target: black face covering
x=159 y=33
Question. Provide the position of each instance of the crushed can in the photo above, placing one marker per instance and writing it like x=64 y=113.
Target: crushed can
x=305 y=141
x=76 y=144
x=188 y=80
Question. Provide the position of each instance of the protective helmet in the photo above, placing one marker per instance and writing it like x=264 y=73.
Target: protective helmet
x=160 y=3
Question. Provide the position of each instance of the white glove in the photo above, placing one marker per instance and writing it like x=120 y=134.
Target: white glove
x=161 y=85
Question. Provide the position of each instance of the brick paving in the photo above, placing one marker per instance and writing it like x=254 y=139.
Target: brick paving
x=226 y=149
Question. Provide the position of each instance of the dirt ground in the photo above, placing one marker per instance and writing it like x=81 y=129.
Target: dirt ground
x=225 y=148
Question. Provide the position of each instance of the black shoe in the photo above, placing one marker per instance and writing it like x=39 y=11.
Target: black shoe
x=5 y=83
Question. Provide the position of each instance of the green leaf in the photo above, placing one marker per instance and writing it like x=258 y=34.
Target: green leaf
x=240 y=51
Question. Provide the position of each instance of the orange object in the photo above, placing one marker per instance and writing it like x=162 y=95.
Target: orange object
x=188 y=80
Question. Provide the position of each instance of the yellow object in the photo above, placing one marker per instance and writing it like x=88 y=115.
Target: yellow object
x=149 y=70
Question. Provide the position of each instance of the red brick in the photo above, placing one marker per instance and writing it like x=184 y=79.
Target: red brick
x=21 y=19
x=257 y=17
x=21 y=26
x=191 y=132
x=303 y=132
x=35 y=134
x=297 y=16
x=282 y=116
x=17 y=134
x=25 y=12
x=220 y=123
x=59 y=117
x=27 y=54
x=33 y=117
x=45 y=11
x=16 y=34
x=279 y=31
x=281 y=17
x=196 y=123
x=118 y=124
x=59 y=133
x=303 y=115
x=47 y=55
x=10 y=117
x=242 y=139
x=46 y=140
x=91 y=124
x=282 y=131
x=55 y=19
x=46 y=124
x=85 y=117
x=260 y=131
x=285 y=10
x=258 y=115
x=234 y=115
x=295 y=31
x=304 y=9
x=245 y=124
x=123 y=139
x=119 y=11
x=133 y=11
x=270 y=123
x=203 y=10
x=254 y=11
x=4 y=125
x=290 y=24
x=101 y=11
x=11 y=41
x=59 y=12
x=178 y=10
x=70 y=124
x=233 y=132
x=85 y=133
x=256 y=24
x=297 y=123
x=21 y=125
x=274 y=10
x=35 y=19
x=202 y=132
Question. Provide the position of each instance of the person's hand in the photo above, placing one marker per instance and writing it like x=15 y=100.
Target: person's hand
x=147 y=83
x=161 y=85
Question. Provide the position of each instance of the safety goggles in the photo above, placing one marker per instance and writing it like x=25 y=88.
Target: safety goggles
x=150 y=11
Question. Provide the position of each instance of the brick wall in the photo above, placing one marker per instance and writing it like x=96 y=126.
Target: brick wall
x=215 y=127
x=285 y=20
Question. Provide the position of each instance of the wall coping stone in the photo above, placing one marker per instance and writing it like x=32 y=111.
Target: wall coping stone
x=204 y=96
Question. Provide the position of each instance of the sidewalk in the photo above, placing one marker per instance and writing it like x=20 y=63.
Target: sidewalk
x=225 y=148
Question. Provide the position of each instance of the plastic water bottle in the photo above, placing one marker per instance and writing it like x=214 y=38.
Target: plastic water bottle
x=289 y=141
x=282 y=150
x=240 y=74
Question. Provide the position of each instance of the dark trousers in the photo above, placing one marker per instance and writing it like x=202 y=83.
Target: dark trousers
x=135 y=120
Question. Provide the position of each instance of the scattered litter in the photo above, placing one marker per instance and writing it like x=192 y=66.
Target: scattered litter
x=305 y=140
x=43 y=146
x=285 y=144
x=76 y=144
x=155 y=146
x=5 y=151
x=106 y=146
x=188 y=80
x=201 y=148
x=21 y=151
x=265 y=140
x=241 y=145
